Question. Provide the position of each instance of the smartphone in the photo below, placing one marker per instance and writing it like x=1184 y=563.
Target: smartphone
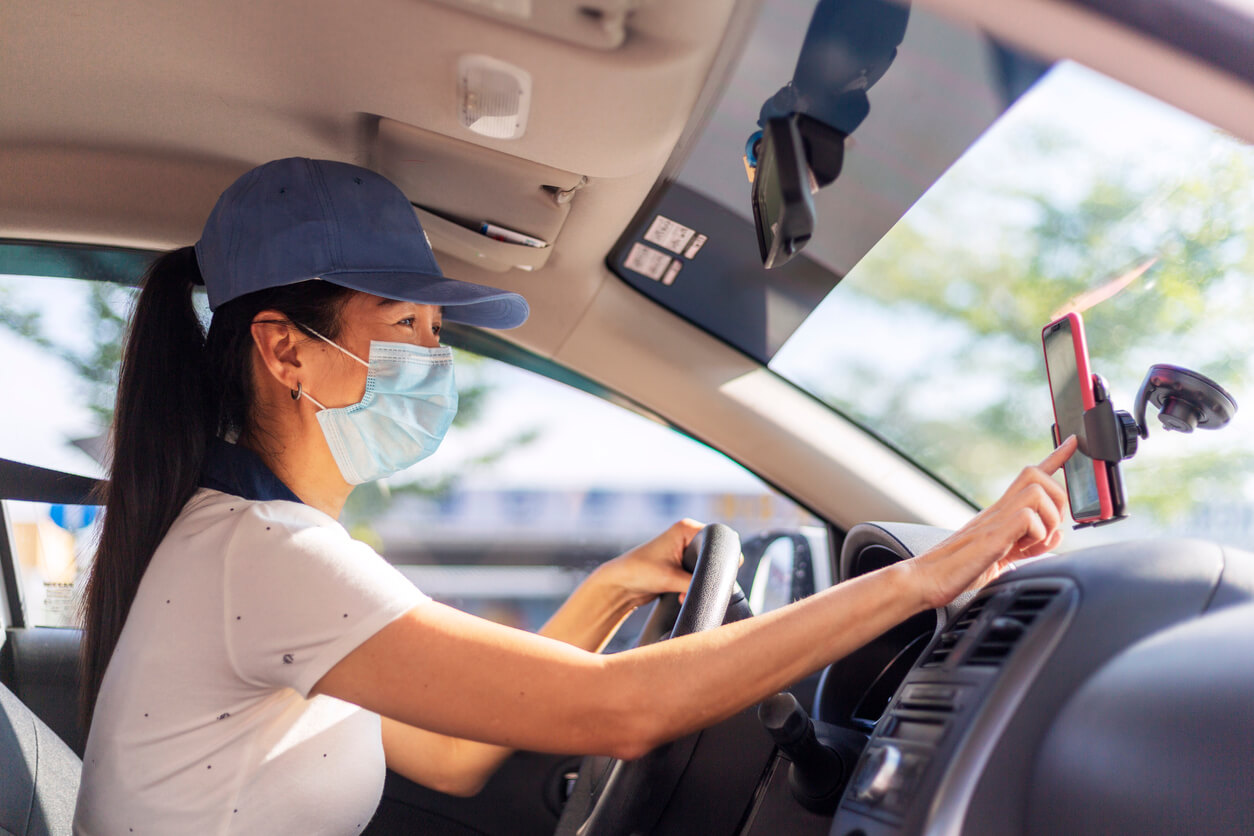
x=1071 y=387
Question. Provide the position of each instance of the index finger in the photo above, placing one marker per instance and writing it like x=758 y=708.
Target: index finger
x=1057 y=458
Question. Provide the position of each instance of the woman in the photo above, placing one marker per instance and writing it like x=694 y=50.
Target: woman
x=250 y=668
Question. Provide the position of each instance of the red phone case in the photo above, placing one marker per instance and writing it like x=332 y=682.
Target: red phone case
x=1105 y=504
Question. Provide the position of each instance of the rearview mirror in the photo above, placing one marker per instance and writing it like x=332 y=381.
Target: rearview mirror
x=783 y=207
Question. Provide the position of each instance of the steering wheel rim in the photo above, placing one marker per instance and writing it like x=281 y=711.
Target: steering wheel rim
x=613 y=797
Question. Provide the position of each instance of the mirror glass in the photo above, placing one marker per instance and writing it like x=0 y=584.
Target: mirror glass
x=772 y=582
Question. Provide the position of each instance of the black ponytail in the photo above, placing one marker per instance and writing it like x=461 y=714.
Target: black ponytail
x=161 y=426
x=178 y=389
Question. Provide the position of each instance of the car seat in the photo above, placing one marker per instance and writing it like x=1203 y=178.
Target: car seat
x=39 y=774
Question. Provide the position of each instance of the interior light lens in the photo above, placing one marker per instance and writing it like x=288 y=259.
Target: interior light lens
x=495 y=96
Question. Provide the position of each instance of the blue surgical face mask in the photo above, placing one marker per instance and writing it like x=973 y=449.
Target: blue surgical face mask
x=410 y=402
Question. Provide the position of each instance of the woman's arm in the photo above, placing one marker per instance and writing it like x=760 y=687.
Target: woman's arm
x=443 y=670
x=587 y=619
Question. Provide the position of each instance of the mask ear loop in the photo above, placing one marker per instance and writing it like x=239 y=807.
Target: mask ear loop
x=333 y=344
x=299 y=391
x=336 y=345
x=296 y=395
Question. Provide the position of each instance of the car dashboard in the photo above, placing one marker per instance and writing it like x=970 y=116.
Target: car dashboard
x=1036 y=705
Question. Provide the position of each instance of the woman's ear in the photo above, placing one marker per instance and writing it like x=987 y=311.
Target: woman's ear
x=278 y=343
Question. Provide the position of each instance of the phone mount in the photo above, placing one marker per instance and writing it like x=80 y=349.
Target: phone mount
x=1185 y=400
x=848 y=47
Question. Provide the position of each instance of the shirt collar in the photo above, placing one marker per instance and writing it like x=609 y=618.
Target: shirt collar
x=240 y=472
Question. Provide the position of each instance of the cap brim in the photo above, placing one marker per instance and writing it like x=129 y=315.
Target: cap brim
x=465 y=302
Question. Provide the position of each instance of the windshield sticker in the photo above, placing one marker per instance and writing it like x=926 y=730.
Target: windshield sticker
x=672 y=272
x=647 y=261
x=695 y=247
x=667 y=233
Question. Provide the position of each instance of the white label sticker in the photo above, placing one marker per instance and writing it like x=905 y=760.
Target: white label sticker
x=695 y=246
x=647 y=261
x=667 y=233
x=672 y=272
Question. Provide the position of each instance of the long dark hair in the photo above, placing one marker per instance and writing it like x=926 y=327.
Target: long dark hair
x=178 y=389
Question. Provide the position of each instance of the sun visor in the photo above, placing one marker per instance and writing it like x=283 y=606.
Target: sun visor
x=480 y=206
x=597 y=24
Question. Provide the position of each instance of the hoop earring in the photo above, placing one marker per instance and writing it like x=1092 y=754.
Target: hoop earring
x=296 y=393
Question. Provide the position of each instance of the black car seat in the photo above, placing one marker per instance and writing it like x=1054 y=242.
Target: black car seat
x=39 y=774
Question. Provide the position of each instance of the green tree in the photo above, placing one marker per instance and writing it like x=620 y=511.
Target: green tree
x=95 y=359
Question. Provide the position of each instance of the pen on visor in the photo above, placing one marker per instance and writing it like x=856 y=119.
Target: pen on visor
x=509 y=236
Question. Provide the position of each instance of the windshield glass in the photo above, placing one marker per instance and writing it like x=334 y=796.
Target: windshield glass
x=1087 y=196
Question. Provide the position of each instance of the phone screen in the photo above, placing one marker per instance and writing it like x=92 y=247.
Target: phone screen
x=1064 y=383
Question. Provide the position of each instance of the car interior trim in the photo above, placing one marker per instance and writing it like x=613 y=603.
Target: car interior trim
x=31 y=483
x=1077 y=31
x=1013 y=680
x=14 y=614
x=1208 y=30
x=123 y=265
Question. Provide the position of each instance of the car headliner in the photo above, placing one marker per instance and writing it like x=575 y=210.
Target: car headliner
x=122 y=122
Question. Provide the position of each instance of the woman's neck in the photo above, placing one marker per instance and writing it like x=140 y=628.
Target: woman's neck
x=302 y=461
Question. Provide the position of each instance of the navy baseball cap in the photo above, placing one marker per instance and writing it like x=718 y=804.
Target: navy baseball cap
x=297 y=219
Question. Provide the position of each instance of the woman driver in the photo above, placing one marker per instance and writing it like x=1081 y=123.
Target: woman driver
x=251 y=668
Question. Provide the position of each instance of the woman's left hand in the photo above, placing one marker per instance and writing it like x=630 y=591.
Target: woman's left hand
x=652 y=568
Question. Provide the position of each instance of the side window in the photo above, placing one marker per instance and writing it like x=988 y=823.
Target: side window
x=51 y=545
x=536 y=484
x=60 y=340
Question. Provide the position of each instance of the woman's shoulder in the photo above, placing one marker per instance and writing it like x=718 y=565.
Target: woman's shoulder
x=210 y=503
x=275 y=523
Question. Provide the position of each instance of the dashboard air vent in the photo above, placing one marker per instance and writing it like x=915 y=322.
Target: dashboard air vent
x=1005 y=631
x=954 y=632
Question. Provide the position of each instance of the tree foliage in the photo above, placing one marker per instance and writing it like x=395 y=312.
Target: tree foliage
x=93 y=355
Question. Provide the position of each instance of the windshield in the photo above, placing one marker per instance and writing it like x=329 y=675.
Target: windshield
x=985 y=195
x=1087 y=196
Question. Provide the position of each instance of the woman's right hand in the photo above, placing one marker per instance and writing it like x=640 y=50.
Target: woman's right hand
x=1026 y=521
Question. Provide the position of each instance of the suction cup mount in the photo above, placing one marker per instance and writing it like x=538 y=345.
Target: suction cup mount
x=1185 y=399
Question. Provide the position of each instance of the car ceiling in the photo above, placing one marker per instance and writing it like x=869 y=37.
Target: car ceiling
x=124 y=121
x=120 y=123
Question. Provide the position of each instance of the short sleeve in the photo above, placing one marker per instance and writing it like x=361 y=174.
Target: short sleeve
x=301 y=594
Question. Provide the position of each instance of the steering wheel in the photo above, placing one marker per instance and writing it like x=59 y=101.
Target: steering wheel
x=613 y=797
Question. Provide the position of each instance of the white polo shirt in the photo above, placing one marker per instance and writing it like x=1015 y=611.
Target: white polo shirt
x=204 y=723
